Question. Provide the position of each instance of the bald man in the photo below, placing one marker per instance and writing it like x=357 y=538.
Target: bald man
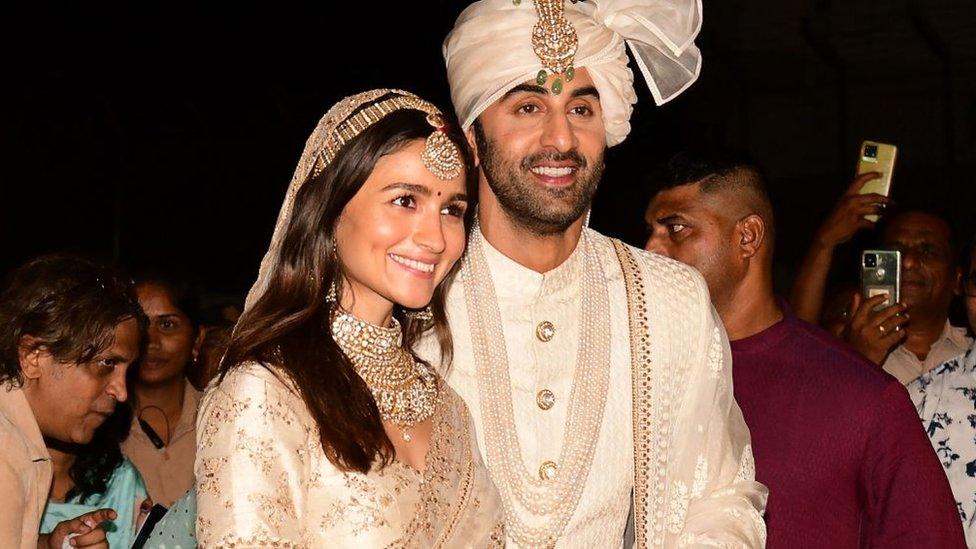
x=836 y=440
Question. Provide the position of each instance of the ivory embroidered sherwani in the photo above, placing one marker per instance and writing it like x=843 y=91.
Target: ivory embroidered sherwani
x=694 y=468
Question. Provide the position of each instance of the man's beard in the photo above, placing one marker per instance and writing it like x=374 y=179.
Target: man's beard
x=540 y=210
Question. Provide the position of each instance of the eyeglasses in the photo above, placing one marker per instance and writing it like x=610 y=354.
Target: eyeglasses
x=969 y=284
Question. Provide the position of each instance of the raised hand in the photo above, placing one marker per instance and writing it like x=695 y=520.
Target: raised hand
x=848 y=214
x=875 y=333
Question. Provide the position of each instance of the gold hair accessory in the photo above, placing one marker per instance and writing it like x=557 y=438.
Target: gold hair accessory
x=441 y=156
x=554 y=42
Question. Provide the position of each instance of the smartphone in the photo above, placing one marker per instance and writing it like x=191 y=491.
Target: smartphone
x=155 y=515
x=876 y=157
x=881 y=274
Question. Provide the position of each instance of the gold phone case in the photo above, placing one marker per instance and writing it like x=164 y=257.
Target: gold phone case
x=877 y=157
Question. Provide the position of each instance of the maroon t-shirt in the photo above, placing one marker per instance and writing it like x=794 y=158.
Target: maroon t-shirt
x=839 y=445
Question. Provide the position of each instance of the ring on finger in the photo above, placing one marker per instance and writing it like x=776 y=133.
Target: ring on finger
x=881 y=328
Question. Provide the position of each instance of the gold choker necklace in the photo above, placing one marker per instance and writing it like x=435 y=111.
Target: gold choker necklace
x=405 y=389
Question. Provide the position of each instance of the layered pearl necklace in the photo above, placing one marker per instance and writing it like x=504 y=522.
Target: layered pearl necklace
x=404 y=388
x=545 y=505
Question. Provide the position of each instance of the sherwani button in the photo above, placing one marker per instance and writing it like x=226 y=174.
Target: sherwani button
x=545 y=399
x=547 y=471
x=545 y=331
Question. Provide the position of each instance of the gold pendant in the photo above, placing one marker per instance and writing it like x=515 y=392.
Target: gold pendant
x=554 y=42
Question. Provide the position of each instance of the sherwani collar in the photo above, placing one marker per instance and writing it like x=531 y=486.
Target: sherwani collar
x=516 y=281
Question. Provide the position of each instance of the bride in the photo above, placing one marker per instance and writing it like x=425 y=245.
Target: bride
x=323 y=427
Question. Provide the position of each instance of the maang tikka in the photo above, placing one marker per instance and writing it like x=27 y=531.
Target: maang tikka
x=441 y=156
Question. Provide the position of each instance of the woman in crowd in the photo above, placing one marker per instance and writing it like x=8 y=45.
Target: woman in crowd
x=325 y=429
x=94 y=476
x=162 y=443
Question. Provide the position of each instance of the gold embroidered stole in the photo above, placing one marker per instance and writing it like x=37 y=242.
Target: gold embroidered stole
x=640 y=353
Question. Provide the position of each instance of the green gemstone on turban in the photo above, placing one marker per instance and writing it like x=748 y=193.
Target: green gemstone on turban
x=570 y=74
x=541 y=78
x=557 y=86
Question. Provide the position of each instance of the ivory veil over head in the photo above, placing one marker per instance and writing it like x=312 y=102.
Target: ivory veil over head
x=342 y=123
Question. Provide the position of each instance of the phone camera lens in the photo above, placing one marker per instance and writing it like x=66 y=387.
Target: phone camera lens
x=870 y=151
x=870 y=260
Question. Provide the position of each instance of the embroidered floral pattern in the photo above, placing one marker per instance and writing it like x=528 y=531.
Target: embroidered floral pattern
x=946 y=401
x=208 y=473
x=264 y=480
x=357 y=514
x=747 y=465
x=225 y=410
x=715 y=359
x=690 y=383
x=701 y=477
x=680 y=496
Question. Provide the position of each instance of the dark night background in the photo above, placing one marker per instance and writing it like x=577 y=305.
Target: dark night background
x=169 y=134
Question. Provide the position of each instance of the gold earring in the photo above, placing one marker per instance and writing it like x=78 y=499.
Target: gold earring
x=332 y=295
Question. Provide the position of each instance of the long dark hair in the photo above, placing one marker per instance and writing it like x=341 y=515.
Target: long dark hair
x=288 y=326
x=96 y=462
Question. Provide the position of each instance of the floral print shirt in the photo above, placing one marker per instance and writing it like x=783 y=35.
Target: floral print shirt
x=946 y=402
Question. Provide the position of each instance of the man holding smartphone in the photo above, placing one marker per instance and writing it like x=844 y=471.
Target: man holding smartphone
x=906 y=338
x=837 y=441
x=914 y=336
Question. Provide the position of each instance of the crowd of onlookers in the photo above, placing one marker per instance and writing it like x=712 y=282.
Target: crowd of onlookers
x=820 y=412
x=102 y=378
x=102 y=373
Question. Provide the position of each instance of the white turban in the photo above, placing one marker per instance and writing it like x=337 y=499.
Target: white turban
x=489 y=52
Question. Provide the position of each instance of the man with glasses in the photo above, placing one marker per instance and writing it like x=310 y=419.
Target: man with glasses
x=946 y=401
x=912 y=337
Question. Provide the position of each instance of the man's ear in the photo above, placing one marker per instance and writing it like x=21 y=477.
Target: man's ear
x=957 y=285
x=29 y=353
x=473 y=144
x=751 y=232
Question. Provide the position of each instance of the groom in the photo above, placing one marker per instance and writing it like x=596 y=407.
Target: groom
x=598 y=375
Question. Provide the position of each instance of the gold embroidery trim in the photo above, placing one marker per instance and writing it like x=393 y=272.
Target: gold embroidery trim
x=465 y=482
x=640 y=352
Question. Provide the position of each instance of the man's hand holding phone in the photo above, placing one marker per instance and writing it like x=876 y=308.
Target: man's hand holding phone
x=82 y=531
x=875 y=333
x=847 y=216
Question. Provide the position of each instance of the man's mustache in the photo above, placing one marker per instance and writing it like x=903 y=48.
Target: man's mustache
x=572 y=156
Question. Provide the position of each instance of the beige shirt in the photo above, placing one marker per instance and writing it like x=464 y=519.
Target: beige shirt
x=705 y=459
x=265 y=481
x=25 y=471
x=906 y=367
x=168 y=471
